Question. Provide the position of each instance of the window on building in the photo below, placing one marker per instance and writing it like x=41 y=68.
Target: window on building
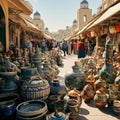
x=85 y=18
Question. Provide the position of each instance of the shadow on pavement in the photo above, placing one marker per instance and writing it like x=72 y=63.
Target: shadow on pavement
x=79 y=117
x=91 y=104
x=84 y=111
x=109 y=111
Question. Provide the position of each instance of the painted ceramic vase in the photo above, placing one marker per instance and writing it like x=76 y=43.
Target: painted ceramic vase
x=72 y=106
x=73 y=94
x=100 y=99
x=7 y=83
x=37 y=61
x=49 y=72
x=90 y=80
x=55 y=102
x=75 y=79
x=33 y=86
x=116 y=107
x=108 y=72
x=31 y=110
x=57 y=89
x=88 y=93
x=113 y=92
x=57 y=116
x=100 y=84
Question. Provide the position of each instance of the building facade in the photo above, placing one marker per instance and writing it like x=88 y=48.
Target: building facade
x=38 y=21
x=84 y=14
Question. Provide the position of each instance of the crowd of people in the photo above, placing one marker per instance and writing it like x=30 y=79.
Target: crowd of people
x=79 y=47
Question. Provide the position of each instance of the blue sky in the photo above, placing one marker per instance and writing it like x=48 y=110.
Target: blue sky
x=57 y=14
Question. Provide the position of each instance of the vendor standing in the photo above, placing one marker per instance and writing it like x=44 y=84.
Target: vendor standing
x=81 y=49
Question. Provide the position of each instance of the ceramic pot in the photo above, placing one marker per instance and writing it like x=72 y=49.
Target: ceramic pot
x=8 y=82
x=57 y=89
x=100 y=99
x=31 y=110
x=55 y=102
x=73 y=94
x=72 y=106
x=90 y=80
x=116 y=107
x=100 y=84
x=7 y=104
x=113 y=92
x=57 y=116
x=75 y=79
x=88 y=93
x=8 y=109
x=35 y=88
x=108 y=73
x=49 y=72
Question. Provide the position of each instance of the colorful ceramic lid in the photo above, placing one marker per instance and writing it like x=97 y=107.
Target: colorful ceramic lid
x=57 y=116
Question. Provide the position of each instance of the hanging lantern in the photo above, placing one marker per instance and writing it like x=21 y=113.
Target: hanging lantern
x=112 y=29
x=117 y=28
x=92 y=33
x=102 y=32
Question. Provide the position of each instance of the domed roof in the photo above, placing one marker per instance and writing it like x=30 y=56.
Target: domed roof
x=37 y=13
x=75 y=21
x=84 y=2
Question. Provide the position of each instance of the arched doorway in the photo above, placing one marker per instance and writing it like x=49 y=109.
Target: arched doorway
x=2 y=29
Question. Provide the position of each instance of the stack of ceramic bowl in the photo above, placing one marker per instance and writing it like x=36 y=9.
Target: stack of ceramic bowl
x=31 y=110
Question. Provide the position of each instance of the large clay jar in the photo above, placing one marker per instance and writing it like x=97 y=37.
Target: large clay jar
x=35 y=88
x=75 y=79
x=88 y=93
x=57 y=89
x=100 y=99
x=31 y=110
x=108 y=73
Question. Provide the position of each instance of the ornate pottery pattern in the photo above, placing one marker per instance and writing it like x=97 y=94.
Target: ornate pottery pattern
x=75 y=79
x=56 y=88
x=35 y=89
x=108 y=72
x=100 y=99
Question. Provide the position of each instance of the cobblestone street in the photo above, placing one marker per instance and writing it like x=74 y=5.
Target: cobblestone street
x=88 y=111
